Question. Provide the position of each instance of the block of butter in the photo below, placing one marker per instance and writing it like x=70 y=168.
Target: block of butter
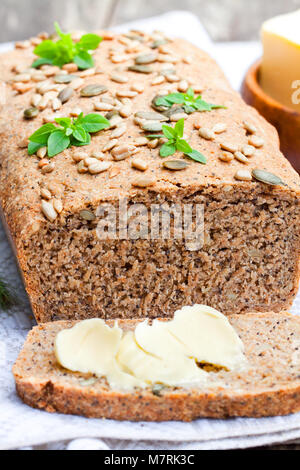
x=166 y=352
x=280 y=68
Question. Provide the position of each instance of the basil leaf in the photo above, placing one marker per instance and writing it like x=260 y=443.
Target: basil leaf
x=83 y=60
x=175 y=98
x=33 y=147
x=42 y=134
x=65 y=122
x=57 y=142
x=167 y=149
x=41 y=61
x=77 y=143
x=80 y=134
x=179 y=126
x=47 y=49
x=168 y=132
x=183 y=146
x=190 y=93
x=89 y=42
x=94 y=122
x=197 y=156
x=162 y=101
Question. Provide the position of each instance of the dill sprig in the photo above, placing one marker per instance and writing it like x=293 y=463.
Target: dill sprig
x=7 y=297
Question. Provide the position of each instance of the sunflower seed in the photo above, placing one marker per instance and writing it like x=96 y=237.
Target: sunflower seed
x=48 y=168
x=183 y=86
x=85 y=214
x=45 y=193
x=151 y=116
x=256 y=141
x=119 y=58
x=99 y=167
x=143 y=181
x=22 y=77
x=138 y=87
x=158 y=80
x=145 y=59
x=49 y=211
x=248 y=150
x=176 y=116
x=66 y=94
x=241 y=157
x=78 y=156
x=42 y=152
x=64 y=78
x=71 y=68
x=266 y=177
x=101 y=106
x=111 y=144
x=119 y=131
x=31 y=113
x=243 y=175
x=76 y=83
x=35 y=100
x=81 y=168
x=226 y=156
x=57 y=204
x=125 y=111
x=122 y=151
x=139 y=164
x=126 y=93
x=93 y=90
x=249 y=127
x=119 y=78
x=175 y=164
x=87 y=73
x=228 y=146
x=206 y=133
x=140 y=68
x=219 y=128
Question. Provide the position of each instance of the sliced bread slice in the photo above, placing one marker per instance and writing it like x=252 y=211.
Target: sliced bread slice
x=269 y=386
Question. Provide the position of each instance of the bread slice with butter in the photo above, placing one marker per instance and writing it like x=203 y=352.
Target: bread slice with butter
x=268 y=386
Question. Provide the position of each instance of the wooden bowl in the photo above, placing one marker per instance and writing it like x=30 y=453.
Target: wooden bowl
x=286 y=120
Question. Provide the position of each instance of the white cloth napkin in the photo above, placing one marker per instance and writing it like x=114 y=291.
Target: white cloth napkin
x=22 y=426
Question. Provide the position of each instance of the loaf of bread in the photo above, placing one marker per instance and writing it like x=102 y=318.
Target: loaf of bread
x=249 y=260
x=270 y=385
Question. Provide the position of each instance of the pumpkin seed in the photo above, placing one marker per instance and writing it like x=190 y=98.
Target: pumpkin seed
x=154 y=126
x=65 y=94
x=93 y=90
x=31 y=112
x=174 y=110
x=159 y=42
x=64 y=78
x=156 y=106
x=140 y=68
x=151 y=116
x=266 y=177
x=175 y=164
x=145 y=59
x=85 y=214
x=111 y=114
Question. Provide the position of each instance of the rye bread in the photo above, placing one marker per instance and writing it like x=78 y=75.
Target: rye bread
x=269 y=386
x=250 y=257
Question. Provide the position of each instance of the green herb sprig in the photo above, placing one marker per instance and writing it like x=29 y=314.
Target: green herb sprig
x=177 y=143
x=188 y=100
x=70 y=131
x=64 y=50
x=7 y=298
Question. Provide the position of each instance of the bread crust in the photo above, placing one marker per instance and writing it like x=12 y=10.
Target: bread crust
x=148 y=407
x=270 y=386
